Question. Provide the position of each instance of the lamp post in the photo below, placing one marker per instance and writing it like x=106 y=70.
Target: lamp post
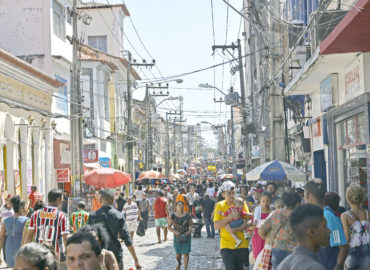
x=235 y=103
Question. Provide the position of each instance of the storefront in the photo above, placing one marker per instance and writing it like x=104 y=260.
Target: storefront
x=349 y=149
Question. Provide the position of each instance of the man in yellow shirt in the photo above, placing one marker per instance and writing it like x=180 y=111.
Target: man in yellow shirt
x=233 y=258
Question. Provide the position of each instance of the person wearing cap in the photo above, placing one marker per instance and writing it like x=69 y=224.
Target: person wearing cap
x=79 y=218
x=115 y=224
x=234 y=258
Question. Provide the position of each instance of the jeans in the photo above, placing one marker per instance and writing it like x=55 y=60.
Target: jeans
x=235 y=259
x=278 y=255
x=209 y=227
x=145 y=216
x=358 y=258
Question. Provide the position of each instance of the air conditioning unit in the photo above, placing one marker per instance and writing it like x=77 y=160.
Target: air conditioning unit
x=323 y=24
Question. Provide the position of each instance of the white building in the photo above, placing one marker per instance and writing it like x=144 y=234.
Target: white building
x=36 y=31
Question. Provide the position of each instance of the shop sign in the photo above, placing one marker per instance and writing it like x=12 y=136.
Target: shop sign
x=211 y=168
x=316 y=128
x=17 y=91
x=104 y=162
x=255 y=151
x=353 y=80
x=328 y=90
x=63 y=175
x=91 y=156
x=62 y=154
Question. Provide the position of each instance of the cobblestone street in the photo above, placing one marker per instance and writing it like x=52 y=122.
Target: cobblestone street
x=204 y=252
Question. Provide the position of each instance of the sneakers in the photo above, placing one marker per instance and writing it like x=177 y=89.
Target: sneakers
x=238 y=243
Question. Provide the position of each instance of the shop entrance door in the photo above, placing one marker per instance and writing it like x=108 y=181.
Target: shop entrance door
x=320 y=166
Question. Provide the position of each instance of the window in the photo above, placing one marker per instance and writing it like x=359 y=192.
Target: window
x=58 y=20
x=98 y=42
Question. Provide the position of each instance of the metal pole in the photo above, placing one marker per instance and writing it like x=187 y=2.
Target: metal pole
x=130 y=144
x=233 y=143
x=75 y=112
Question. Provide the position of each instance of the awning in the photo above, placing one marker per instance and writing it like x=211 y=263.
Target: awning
x=352 y=34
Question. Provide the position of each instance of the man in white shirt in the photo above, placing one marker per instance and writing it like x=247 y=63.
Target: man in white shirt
x=210 y=191
x=192 y=197
x=132 y=214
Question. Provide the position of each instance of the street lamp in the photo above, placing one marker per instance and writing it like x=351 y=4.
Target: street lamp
x=233 y=104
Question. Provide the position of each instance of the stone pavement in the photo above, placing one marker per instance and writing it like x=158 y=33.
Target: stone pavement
x=204 y=254
x=153 y=256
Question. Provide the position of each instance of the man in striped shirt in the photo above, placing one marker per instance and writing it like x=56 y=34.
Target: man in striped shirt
x=79 y=219
x=132 y=214
x=50 y=225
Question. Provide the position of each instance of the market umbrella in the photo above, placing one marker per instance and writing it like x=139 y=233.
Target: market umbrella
x=106 y=178
x=174 y=177
x=276 y=171
x=151 y=175
x=181 y=171
x=227 y=176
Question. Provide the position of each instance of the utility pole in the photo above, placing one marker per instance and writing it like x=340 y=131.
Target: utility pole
x=76 y=113
x=148 y=118
x=130 y=143
x=168 y=149
x=174 y=145
x=242 y=92
x=276 y=99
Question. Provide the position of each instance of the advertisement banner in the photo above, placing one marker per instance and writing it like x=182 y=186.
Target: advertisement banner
x=63 y=175
x=91 y=156
x=62 y=154
x=211 y=168
x=104 y=162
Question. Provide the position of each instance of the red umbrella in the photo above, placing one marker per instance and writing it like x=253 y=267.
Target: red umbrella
x=227 y=176
x=106 y=178
x=151 y=175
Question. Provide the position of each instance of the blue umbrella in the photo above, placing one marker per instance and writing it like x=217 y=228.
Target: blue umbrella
x=276 y=171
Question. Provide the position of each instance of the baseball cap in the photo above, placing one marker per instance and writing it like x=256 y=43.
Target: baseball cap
x=227 y=185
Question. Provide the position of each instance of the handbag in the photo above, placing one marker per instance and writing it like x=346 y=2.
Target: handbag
x=140 y=231
x=183 y=238
x=263 y=260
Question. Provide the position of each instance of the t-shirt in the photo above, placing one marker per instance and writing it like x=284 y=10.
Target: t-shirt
x=34 y=197
x=302 y=259
x=115 y=224
x=49 y=225
x=334 y=224
x=243 y=214
x=210 y=191
x=160 y=208
x=208 y=205
x=5 y=212
x=192 y=197
x=78 y=219
x=144 y=205
x=131 y=212
x=279 y=226
x=227 y=240
x=139 y=195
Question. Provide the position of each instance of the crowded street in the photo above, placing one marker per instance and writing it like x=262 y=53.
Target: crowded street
x=184 y=135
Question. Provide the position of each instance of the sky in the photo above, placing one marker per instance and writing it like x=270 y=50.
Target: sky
x=179 y=36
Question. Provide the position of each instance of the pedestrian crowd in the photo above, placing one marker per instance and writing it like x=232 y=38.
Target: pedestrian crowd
x=267 y=226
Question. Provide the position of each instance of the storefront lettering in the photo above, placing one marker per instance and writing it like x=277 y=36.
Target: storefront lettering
x=352 y=80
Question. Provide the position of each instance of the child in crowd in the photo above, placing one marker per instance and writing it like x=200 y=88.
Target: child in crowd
x=278 y=204
x=238 y=207
x=261 y=212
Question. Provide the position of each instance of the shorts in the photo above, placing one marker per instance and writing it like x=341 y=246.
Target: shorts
x=236 y=223
x=131 y=226
x=235 y=259
x=161 y=222
x=358 y=258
